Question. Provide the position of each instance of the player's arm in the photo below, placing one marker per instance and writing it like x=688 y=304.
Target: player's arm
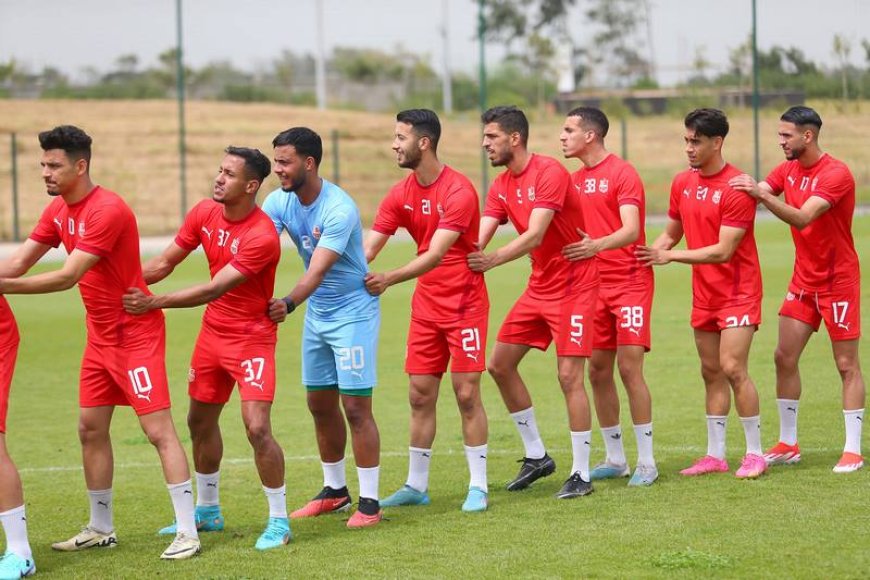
x=718 y=253
x=22 y=259
x=588 y=247
x=441 y=241
x=488 y=227
x=669 y=238
x=539 y=221
x=159 y=267
x=373 y=244
x=799 y=217
x=137 y=302
x=76 y=265
x=321 y=261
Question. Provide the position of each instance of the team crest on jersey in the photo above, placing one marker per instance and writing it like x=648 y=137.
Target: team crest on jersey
x=81 y=229
x=603 y=185
x=789 y=296
x=531 y=193
x=717 y=195
x=191 y=375
x=440 y=210
x=813 y=186
x=306 y=243
x=234 y=247
x=315 y=233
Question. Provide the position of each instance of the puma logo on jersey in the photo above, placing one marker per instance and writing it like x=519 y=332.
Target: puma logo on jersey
x=634 y=331
x=57 y=222
x=358 y=375
x=843 y=325
x=502 y=197
x=577 y=341
x=256 y=385
x=207 y=232
x=409 y=207
x=472 y=356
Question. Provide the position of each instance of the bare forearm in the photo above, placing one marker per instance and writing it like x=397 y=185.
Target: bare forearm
x=193 y=296
x=40 y=284
x=304 y=288
x=715 y=254
x=790 y=215
x=413 y=269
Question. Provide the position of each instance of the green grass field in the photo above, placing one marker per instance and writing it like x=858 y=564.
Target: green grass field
x=797 y=521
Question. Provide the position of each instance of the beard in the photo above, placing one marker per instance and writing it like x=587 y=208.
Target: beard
x=411 y=159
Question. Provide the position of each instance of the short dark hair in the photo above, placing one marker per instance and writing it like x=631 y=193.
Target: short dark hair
x=306 y=142
x=801 y=116
x=257 y=165
x=424 y=122
x=511 y=119
x=592 y=118
x=708 y=122
x=74 y=142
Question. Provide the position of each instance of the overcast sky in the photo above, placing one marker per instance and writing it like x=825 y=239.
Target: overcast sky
x=72 y=35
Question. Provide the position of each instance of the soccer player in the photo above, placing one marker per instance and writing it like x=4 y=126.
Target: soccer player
x=826 y=283
x=534 y=193
x=123 y=362
x=339 y=340
x=613 y=201
x=450 y=309
x=17 y=561
x=236 y=344
x=718 y=224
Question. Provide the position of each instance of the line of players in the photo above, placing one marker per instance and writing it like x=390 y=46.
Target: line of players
x=590 y=292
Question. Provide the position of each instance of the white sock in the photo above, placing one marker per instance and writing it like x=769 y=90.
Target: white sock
x=182 y=502
x=788 y=410
x=476 y=457
x=277 y=498
x=208 y=489
x=528 y=428
x=580 y=444
x=368 y=481
x=752 y=431
x=333 y=474
x=418 y=468
x=644 y=436
x=613 y=444
x=716 y=436
x=854 y=419
x=15 y=527
x=101 y=510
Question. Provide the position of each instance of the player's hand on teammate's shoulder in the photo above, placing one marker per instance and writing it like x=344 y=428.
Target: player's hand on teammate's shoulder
x=136 y=301
x=376 y=283
x=584 y=249
x=746 y=183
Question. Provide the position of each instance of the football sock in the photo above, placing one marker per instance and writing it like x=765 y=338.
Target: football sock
x=580 y=445
x=854 y=419
x=368 y=481
x=333 y=474
x=182 y=502
x=277 y=498
x=101 y=510
x=644 y=436
x=528 y=428
x=207 y=488
x=716 y=436
x=418 y=468
x=15 y=526
x=788 y=410
x=613 y=444
x=476 y=457
x=752 y=431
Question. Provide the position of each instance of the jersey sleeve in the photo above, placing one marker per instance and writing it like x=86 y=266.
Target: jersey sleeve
x=776 y=178
x=495 y=206
x=629 y=188
x=337 y=228
x=551 y=187
x=460 y=206
x=738 y=209
x=257 y=252
x=45 y=231
x=388 y=219
x=275 y=206
x=188 y=236
x=674 y=203
x=103 y=226
x=834 y=185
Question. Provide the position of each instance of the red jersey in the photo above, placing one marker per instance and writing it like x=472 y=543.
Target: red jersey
x=450 y=291
x=8 y=328
x=544 y=183
x=704 y=203
x=825 y=254
x=103 y=225
x=603 y=190
x=252 y=247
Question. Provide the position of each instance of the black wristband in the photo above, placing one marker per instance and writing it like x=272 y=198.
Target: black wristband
x=291 y=306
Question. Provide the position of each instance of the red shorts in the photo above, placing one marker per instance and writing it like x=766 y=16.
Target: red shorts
x=839 y=308
x=132 y=374
x=221 y=360
x=432 y=344
x=8 y=354
x=537 y=322
x=622 y=316
x=734 y=316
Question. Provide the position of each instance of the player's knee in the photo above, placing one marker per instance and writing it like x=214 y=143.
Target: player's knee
x=570 y=381
x=259 y=432
x=358 y=415
x=467 y=398
x=847 y=366
x=784 y=360
x=90 y=433
x=420 y=400
x=735 y=371
x=600 y=374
